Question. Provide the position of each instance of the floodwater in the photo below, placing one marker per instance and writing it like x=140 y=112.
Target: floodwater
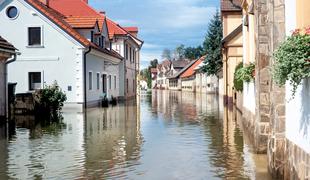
x=166 y=135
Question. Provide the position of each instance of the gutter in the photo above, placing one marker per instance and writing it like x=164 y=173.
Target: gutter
x=6 y=99
x=84 y=76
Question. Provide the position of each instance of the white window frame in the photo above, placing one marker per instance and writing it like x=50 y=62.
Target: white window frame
x=42 y=36
x=28 y=80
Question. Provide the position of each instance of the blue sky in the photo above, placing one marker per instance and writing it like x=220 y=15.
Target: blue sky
x=162 y=23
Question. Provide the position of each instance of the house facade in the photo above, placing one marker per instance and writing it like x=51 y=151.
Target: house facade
x=177 y=67
x=84 y=64
x=188 y=77
x=231 y=12
x=125 y=42
x=7 y=55
x=204 y=83
x=274 y=118
x=163 y=69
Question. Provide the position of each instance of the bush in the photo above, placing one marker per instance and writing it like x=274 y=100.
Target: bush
x=243 y=74
x=238 y=83
x=291 y=60
x=50 y=99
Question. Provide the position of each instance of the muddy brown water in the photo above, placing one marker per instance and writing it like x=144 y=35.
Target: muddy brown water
x=165 y=135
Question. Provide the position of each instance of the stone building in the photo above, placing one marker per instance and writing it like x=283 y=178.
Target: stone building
x=231 y=12
x=278 y=123
x=7 y=50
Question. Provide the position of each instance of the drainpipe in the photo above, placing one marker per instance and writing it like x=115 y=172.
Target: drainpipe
x=6 y=99
x=84 y=78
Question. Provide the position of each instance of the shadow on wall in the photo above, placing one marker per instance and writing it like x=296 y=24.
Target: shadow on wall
x=305 y=109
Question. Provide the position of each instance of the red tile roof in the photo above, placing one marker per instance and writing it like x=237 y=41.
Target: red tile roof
x=115 y=29
x=82 y=22
x=191 y=70
x=59 y=19
x=231 y=5
x=73 y=8
x=131 y=29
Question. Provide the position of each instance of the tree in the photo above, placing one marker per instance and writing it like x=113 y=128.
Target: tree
x=193 y=52
x=154 y=63
x=166 y=54
x=179 y=52
x=213 y=45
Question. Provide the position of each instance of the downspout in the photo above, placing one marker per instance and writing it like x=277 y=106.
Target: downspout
x=84 y=78
x=6 y=99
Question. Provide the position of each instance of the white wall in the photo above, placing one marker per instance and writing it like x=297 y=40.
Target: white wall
x=96 y=65
x=249 y=96
x=297 y=109
x=59 y=59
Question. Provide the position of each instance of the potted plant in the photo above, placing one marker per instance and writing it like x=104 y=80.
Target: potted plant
x=292 y=59
x=243 y=74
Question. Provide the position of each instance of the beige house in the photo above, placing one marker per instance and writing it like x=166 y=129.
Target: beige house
x=7 y=55
x=231 y=12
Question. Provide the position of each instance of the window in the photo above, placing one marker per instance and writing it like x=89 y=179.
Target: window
x=110 y=82
x=130 y=54
x=126 y=51
x=98 y=81
x=12 y=12
x=92 y=36
x=34 y=36
x=127 y=85
x=90 y=80
x=34 y=80
x=114 y=82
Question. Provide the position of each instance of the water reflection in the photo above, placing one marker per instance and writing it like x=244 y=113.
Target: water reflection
x=165 y=135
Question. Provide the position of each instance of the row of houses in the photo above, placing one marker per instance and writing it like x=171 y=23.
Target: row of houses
x=185 y=75
x=277 y=122
x=88 y=54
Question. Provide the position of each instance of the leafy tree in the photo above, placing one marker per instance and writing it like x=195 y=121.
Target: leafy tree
x=193 y=52
x=212 y=46
x=154 y=63
x=179 y=52
x=166 y=54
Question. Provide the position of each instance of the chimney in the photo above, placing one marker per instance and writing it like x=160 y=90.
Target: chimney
x=86 y=1
x=102 y=12
x=46 y=2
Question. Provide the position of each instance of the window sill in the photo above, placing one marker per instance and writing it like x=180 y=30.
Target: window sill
x=35 y=46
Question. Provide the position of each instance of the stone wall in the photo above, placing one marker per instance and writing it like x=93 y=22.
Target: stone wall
x=270 y=99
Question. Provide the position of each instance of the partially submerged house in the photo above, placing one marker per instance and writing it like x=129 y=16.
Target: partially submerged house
x=176 y=67
x=67 y=41
x=7 y=55
x=232 y=43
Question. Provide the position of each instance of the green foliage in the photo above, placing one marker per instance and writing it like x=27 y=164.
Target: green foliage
x=146 y=73
x=243 y=74
x=193 y=52
x=238 y=83
x=292 y=61
x=50 y=99
x=213 y=45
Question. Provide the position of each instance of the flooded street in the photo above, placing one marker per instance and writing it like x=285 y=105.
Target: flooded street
x=165 y=135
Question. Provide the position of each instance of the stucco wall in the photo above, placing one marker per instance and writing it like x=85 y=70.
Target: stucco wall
x=55 y=60
x=297 y=109
x=96 y=65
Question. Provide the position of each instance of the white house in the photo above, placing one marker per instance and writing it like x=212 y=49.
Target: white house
x=60 y=40
x=125 y=42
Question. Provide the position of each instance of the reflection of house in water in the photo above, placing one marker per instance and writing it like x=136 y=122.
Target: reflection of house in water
x=113 y=134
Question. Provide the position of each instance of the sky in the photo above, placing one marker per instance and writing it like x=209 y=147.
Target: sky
x=162 y=23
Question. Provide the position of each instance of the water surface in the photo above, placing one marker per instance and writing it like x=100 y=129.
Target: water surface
x=166 y=135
